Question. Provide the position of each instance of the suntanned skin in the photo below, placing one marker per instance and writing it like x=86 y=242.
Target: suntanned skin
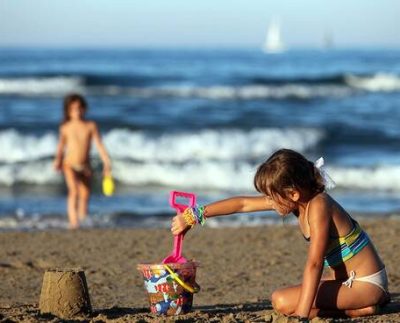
x=315 y=296
x=72 y=157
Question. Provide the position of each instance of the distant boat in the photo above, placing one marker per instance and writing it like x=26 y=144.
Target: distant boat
x=327 y=42
x=273 y=41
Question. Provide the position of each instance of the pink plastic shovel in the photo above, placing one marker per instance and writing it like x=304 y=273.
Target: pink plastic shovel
x=176 y=255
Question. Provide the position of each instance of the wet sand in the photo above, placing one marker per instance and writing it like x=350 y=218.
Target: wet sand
x=239 y=270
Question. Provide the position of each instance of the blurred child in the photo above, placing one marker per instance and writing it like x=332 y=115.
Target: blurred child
x=289 y=183
x=72 y=157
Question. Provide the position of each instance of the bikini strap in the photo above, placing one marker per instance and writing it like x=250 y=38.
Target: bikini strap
x=306 y=212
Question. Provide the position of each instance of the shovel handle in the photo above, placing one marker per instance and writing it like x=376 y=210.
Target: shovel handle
x=178 y=246
x=180 y=208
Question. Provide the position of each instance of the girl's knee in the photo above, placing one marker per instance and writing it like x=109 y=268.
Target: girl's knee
x=281 y=303
x=73 y=194
x=84 y=195
x=84 y=190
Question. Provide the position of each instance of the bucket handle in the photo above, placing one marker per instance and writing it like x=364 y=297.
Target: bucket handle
x=193 y=290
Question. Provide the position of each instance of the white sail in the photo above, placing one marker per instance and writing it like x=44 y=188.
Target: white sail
x=327 y=42
x=273 y=42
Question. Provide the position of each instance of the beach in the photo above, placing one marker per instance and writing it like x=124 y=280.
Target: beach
x=240 y=267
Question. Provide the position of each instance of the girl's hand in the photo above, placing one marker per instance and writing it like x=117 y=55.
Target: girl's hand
x=107 y=170
x=179 y=225
x=57 y=164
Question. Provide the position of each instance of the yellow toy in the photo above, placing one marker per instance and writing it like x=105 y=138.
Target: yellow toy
x=108 y=185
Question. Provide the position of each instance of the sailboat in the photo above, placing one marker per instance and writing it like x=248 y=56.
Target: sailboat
x=273 y=42
x=327 y=41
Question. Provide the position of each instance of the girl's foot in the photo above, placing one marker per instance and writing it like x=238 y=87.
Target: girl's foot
x=73 y=226
x=82 y=217
x=366 y=311
x=86 y=222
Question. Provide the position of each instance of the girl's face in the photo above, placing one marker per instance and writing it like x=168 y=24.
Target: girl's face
x=283 y=206
x=75 y=111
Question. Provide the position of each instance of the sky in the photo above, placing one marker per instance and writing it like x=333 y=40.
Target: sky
x=197 y=23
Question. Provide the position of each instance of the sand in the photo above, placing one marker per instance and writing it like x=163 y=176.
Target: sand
x=239 y=270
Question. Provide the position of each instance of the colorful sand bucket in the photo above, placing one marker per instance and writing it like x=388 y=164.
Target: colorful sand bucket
x=170 y=287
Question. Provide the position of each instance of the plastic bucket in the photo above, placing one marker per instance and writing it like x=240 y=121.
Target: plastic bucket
x=170 y=287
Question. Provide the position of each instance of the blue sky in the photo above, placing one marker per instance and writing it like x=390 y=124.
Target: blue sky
x=191 y=23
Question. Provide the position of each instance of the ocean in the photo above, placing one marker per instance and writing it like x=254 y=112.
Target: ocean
x=198 y=121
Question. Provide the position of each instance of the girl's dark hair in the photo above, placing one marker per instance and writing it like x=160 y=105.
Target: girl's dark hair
x=288 y=169
x=71 y=98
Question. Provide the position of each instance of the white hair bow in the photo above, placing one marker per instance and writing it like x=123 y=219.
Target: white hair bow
x=328 y=181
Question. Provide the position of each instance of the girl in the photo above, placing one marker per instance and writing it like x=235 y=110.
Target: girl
x=292 y=184
x=76 y=135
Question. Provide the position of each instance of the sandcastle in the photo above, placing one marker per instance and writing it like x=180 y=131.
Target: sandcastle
x=65 y=293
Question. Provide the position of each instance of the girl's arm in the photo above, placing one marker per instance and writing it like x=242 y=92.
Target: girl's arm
x=237 y=204
x=231 y=205
x=319 y=220
x=102 y=150
x=57 y=163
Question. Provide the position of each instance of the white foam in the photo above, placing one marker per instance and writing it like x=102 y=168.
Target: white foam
x=40 y=85
x=230 y=175
x=223 y=157
x=178 y=147
x=208 y=144
x=8 y=223
x=37 y=172
x=378 y=82
x=16 y=147
x=239 y=175
x=208 y=159
x=49 y=221
x=384 y=177
x=60 y=85
x=202 y=174
x=248 y=92
x=60 y=221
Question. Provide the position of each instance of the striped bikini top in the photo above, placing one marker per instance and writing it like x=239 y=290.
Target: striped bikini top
x=341 y=249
